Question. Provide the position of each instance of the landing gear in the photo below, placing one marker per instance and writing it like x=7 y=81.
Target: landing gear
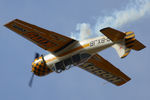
x=68 y=67
x=59 y=69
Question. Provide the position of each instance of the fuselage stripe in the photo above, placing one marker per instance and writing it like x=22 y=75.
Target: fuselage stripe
x=64 y=46
x=68 y=52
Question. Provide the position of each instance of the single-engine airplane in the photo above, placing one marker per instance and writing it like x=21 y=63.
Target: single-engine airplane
x=65 y=51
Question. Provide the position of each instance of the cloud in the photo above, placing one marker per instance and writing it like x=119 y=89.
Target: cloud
x=134 y=10
x=85 y=30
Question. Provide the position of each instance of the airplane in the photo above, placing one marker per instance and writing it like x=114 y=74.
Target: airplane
x=66 y=52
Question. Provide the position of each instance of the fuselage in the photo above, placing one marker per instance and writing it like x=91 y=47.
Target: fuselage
x=90 y=46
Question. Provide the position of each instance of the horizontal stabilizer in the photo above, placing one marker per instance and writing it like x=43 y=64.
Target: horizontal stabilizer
x=113 y=34
x=138 y=46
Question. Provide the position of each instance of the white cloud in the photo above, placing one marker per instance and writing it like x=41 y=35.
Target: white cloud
x=133 y=11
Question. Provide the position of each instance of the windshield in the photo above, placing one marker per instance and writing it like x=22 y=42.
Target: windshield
x=74 y=60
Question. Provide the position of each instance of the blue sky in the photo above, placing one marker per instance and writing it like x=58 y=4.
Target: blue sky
x=62 y=16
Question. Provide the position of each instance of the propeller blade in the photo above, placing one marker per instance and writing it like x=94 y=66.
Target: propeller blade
x=37 y=55
x=31 y=80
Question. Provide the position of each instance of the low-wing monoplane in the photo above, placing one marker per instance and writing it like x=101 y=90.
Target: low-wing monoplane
x=65 y=51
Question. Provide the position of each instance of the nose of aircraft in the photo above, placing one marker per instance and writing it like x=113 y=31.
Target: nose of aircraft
x=39 y=67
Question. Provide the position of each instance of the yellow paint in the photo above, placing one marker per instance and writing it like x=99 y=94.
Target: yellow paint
x=75 y=49
x=133 y=39
x=127 y=50
x=49 y=60
x=127 y=33
x=130 y=36
x=125 y=55
x=68 y=52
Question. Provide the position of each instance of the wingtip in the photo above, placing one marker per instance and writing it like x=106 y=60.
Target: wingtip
x=121 y=84
x=104 y=29
x=10 y=22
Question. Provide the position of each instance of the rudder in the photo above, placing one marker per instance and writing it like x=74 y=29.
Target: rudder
x=129 y=39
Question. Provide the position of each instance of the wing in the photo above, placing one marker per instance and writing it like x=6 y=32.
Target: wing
x=102 y=68
x=45 y=39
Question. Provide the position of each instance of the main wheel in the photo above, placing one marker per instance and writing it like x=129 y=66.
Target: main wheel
x=58 y=71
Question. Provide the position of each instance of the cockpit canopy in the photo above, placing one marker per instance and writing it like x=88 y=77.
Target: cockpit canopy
x=74 y=60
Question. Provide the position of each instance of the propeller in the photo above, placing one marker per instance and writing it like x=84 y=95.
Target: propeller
x=36 y=55
x=32 y=77
x=31 y=80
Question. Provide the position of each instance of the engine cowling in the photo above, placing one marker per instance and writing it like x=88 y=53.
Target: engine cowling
x=39 y=67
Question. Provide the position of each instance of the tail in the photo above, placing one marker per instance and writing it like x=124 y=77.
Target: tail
x=124 y=42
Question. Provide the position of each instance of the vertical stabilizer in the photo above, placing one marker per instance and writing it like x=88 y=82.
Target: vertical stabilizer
x=121 y=49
